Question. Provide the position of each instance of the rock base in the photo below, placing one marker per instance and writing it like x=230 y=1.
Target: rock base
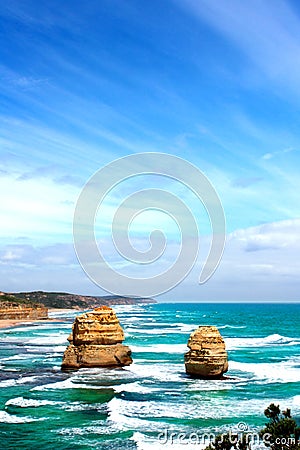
x=117 y=355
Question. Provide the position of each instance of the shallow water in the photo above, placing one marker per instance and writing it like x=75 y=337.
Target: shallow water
x=42 y=407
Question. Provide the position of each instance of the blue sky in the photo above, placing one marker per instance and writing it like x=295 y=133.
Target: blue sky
x=217 y=83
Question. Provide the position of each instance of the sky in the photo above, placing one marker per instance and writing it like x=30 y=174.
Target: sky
x=216 y=83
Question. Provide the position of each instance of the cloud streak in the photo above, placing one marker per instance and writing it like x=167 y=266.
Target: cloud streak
x=267 y=33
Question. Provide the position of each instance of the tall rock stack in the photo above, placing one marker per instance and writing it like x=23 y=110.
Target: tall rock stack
x=96 y=341
x=207 y=357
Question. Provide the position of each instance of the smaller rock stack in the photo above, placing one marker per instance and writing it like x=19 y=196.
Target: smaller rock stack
x=96 y=341
x=207 y=357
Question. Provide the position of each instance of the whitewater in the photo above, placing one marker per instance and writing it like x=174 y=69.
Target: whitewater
x=130 y=408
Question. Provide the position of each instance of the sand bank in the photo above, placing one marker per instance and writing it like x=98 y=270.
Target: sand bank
x=8 y=323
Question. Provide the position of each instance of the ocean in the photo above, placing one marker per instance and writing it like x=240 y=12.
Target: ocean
x=151 y=404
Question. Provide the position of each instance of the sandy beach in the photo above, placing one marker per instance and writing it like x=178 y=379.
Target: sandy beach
x=8 y=323
x=62 y=310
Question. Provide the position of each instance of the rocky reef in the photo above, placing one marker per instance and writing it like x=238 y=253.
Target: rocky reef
x=14 y=308
x=96 y=341
x=207 y=357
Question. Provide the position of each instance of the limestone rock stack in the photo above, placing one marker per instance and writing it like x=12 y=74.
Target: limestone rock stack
x=207 y=357
x=96 y=341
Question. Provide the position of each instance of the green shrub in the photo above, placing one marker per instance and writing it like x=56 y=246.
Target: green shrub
x=282 y=428
x=280 y=433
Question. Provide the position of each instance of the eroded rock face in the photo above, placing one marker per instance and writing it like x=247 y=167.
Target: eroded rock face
x=20 y=312
x=207 y=357
x=96 y=341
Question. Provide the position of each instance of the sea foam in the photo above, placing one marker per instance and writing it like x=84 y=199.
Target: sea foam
x=160 y=348
x=9 y=418
x=281 y=372
x=268 y=341
x=29 y=403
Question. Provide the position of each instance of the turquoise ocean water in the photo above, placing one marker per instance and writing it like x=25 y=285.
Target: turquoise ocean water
x=44 y=408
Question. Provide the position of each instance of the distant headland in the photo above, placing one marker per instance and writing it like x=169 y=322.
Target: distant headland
x=41 y=300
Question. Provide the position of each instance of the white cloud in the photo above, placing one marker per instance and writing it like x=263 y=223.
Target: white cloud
x=259 y=264
x=269 y=272
x=277 y=235
x=35 y=208
x=267 y=156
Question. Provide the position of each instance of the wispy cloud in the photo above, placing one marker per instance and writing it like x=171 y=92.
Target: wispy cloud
x=268 y=156
x=246 y=181
x=39 y=256
x=39 y=172
x=266 y=33
x=52 y=172
x=70 y=179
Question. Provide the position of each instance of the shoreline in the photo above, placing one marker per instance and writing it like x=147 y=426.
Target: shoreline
x=62 y=310
x=9 y=323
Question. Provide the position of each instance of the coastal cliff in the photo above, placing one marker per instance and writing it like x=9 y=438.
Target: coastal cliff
x=14 y=308
x=207 y=357
x=96 y=341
